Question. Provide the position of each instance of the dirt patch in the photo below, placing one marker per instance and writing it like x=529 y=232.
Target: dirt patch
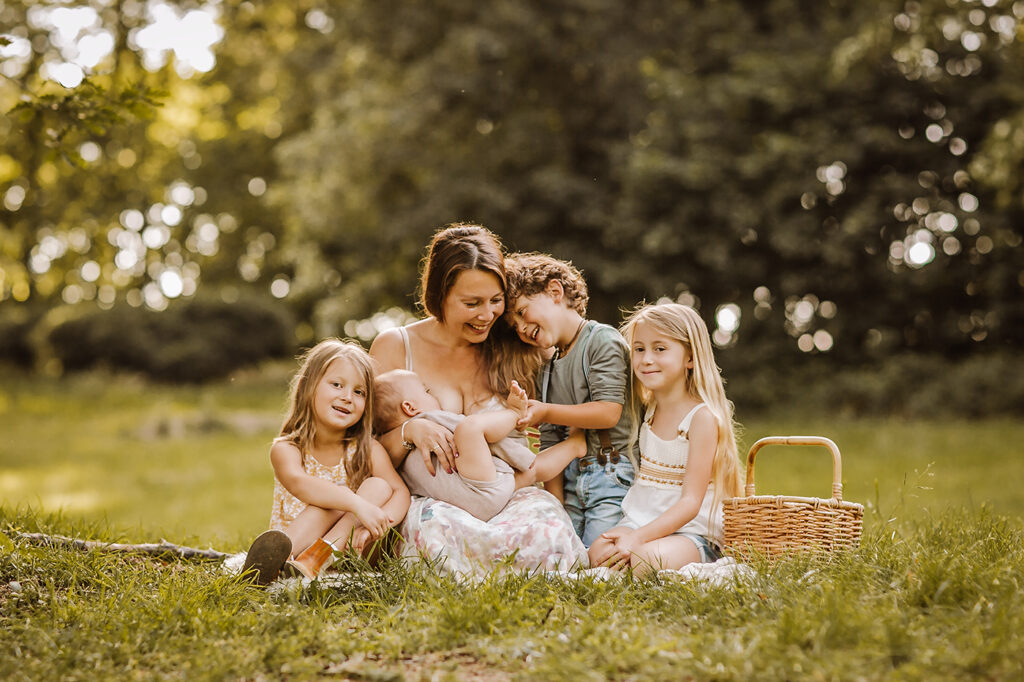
x=432 y=667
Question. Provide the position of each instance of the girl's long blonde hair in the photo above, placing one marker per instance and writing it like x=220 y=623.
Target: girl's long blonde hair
x=299 y=426
x=703 y=383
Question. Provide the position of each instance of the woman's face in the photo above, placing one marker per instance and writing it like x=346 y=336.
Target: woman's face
x=475 y=301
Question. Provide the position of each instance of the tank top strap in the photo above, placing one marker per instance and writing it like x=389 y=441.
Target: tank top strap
x=408 y=348
x=684 y=426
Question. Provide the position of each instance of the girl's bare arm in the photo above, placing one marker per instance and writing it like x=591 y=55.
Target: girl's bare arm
x=287 y=463
x=380 y=463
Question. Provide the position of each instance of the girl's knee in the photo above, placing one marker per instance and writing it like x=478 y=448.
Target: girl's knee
x=645 y=559
x=376 y=490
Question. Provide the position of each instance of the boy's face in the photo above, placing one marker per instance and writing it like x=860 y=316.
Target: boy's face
x=413 y=391
x=538 y=320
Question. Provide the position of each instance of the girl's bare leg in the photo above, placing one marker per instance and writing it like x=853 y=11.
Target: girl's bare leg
x=673 y=551
x=374 y=490
x=310 y=525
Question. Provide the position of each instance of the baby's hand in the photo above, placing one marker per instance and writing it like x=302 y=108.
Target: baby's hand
x=518 y=401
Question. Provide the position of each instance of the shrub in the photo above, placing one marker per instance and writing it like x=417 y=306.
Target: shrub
x=904 y=385
x=191 y=342
x=16 y=324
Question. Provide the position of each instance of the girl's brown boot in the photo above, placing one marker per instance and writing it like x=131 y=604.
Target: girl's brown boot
x=314 y=559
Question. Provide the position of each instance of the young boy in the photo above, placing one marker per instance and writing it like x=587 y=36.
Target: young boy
x=485 y=480
x=584 y=385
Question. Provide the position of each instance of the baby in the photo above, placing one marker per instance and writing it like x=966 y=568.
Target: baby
x=492 y=463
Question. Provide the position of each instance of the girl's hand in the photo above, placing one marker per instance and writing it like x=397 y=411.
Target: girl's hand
x=428 y=438
x=360 y=540
x=624 y=541
x=535 y=414
x=373 y=518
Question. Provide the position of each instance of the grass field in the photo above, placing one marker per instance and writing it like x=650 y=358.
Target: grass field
x=934 y=591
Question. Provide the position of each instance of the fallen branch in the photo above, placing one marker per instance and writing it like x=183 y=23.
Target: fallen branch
x=162 y=548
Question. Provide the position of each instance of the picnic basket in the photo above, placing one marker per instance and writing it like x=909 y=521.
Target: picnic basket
x=774 y=525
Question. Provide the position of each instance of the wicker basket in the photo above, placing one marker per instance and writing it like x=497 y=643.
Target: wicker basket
x=773 y=525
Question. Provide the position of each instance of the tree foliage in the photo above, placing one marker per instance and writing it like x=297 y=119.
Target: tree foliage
x=829 y=177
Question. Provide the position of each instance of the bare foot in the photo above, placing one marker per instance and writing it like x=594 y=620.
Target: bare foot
x=517 y=400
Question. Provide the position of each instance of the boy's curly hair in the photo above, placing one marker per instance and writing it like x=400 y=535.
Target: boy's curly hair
x=529 y=273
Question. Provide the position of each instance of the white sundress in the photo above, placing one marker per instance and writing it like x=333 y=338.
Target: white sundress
x=659 y=483
x=532 y=533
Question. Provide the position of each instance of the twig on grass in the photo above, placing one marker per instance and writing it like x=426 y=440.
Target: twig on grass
x=162 y=548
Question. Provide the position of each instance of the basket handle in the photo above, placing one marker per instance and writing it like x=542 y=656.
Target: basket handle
x=837 y=462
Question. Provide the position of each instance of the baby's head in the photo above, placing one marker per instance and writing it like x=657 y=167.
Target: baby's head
x=399 y=396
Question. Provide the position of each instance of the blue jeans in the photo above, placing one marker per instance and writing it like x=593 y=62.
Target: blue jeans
x=593 y=496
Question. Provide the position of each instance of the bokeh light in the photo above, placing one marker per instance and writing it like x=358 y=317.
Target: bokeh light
x=189 y=37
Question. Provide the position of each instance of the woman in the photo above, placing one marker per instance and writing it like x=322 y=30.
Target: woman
x=467 y=355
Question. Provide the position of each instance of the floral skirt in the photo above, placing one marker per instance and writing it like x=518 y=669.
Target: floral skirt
x=532 y=533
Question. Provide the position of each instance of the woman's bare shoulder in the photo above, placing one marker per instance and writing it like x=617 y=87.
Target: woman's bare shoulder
x=388 y=349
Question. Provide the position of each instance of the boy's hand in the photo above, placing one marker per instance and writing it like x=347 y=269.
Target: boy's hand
x=535 y=413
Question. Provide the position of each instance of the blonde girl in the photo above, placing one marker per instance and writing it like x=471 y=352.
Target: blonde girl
x=334 y=485
x=688 y=462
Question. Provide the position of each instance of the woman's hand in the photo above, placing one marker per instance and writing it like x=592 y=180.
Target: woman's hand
x=430 y=438
x=374 y=519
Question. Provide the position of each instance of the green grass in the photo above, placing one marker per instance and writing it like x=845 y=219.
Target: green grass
x=933 y=592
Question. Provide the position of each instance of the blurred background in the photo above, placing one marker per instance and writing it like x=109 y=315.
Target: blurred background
x=188 y=188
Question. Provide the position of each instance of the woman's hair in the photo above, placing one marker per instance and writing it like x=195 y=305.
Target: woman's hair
x=703 y=383
x=453 y=250
x=529 y=274
x=459 y=247
x=299 y=426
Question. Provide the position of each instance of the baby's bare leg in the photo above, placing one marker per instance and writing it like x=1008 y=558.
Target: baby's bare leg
x=473 y=437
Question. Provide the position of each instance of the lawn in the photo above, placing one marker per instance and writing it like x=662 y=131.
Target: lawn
x=934 y=591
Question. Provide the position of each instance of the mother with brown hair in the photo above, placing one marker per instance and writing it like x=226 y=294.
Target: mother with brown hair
x=467 y=355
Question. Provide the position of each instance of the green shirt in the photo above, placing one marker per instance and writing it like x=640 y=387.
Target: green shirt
x=596 y=369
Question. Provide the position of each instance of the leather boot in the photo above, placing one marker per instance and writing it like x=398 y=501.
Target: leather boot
x=314 y=559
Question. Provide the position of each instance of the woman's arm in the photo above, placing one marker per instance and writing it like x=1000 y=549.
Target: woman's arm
x=380 y=464
x=287 y=462
x=388 y=350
